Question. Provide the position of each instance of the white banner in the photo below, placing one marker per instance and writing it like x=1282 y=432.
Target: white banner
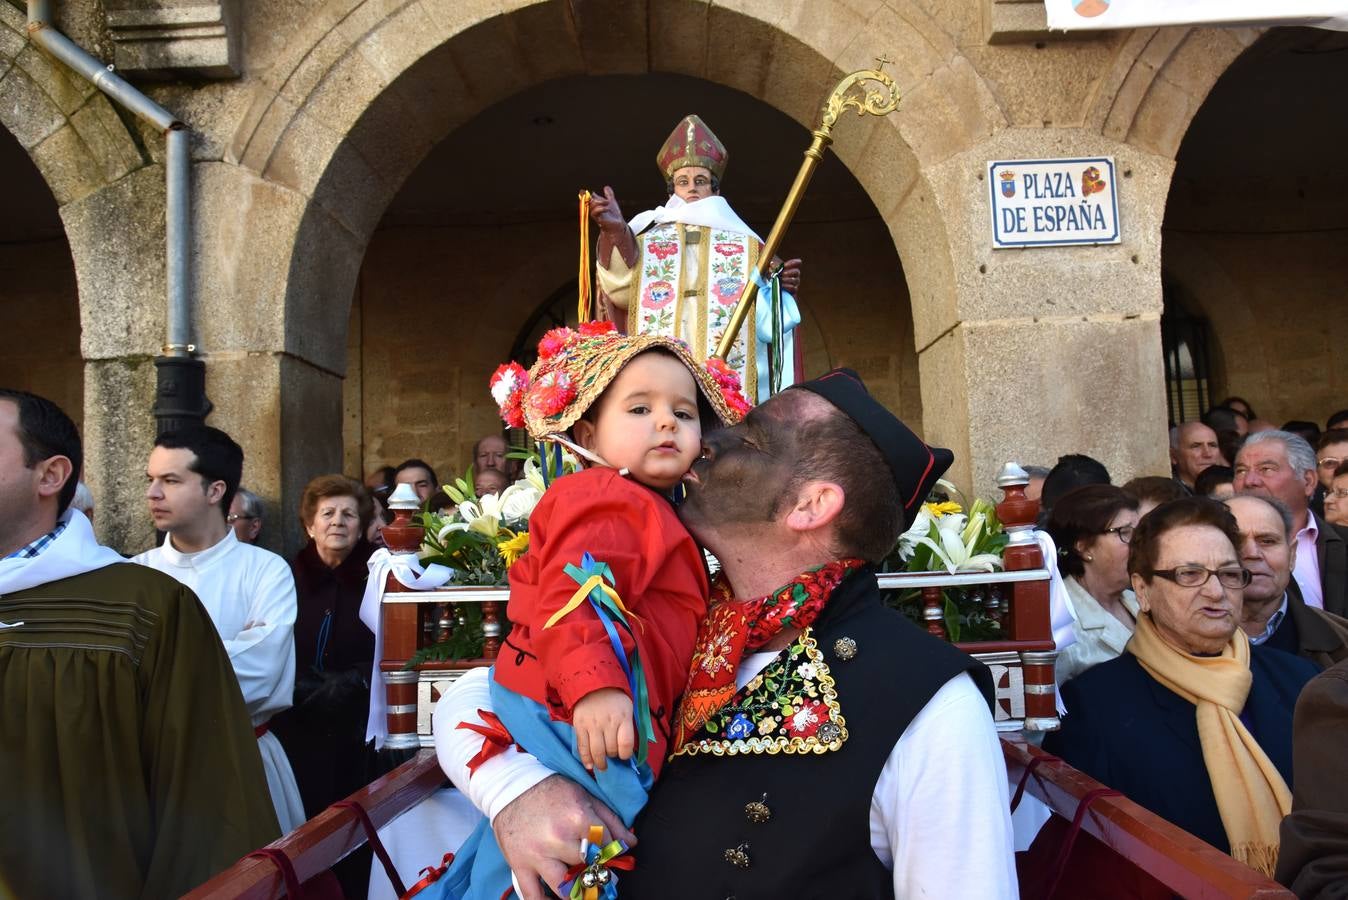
x=1078 y=15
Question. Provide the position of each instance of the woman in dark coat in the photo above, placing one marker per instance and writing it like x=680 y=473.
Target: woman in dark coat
x=1191 y=722
x=324 y=732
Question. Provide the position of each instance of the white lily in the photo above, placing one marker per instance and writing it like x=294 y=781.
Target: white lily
x=519 y=500
x=908 y=540
x=956 y=543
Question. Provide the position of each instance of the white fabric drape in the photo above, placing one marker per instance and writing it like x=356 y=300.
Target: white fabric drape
x=410 y=573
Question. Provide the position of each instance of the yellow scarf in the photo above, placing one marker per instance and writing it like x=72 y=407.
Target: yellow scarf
x=1251 y=796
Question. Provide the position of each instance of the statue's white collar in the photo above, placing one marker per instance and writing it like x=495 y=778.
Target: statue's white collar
x=711 y=212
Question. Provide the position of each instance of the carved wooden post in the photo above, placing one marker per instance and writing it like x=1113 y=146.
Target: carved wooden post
x=444 y=621
x=933 y=610
x=1029 y=619
x=401 y=627
x=491 y=629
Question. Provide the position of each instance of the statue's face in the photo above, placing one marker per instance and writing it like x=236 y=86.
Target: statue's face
x=692 y=183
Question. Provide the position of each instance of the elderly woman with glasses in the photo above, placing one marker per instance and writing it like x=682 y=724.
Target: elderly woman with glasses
x=1191 y=722
x=1091 y=527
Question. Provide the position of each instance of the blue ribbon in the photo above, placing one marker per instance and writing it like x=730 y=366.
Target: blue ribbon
x=611 y=617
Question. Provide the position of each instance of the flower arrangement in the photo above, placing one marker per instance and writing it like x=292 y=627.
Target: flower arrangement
x=480 y=541
x=946 y=538
x=484 y=536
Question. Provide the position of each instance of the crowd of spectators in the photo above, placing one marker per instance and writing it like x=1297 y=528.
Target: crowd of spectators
x=1201 y=605
x=1202 y=602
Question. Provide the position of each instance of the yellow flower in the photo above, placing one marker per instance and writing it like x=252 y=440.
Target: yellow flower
x=940 y=509
x=513 y=548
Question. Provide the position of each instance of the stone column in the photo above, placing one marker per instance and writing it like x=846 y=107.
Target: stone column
x=1038 y=352
x=117 y=241
x=274 y=377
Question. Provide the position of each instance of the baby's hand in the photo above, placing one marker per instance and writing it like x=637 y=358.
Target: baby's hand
x=603 y=723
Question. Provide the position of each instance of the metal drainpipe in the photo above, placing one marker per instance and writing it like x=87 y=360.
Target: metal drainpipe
x=180 y=396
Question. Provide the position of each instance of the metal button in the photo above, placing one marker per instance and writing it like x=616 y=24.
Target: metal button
x=757 y=811
x=738 y=856
x=845 y=648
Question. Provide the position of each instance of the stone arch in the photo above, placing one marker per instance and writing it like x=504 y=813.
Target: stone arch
x=72 y=133
x=1157 y=80
x=367 y=88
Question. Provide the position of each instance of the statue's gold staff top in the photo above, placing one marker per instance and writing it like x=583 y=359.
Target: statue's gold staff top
x=851 y=93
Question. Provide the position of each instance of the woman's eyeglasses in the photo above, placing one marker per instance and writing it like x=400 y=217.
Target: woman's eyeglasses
x=1197 y=576
x=1125 y=532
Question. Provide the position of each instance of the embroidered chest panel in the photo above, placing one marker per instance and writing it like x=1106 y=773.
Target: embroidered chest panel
x=789 y=707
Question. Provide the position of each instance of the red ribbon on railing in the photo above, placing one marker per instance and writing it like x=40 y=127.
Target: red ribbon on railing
x=429 y=876
x=495 y=738
x=1025 y=777
x=372 y=838
x=1065 y=852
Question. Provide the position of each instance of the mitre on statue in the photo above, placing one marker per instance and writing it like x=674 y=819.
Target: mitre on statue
x=692 y=144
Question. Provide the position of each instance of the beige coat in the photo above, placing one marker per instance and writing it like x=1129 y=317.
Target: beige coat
x=1099 y=635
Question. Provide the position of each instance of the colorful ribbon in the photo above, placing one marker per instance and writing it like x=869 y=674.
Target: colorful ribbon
x=608 y=606
x=429 y=876
x=495 y=738
x=583 y=275
x=592 y=880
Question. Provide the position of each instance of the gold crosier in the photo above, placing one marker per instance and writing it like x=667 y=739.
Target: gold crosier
x=849 y=94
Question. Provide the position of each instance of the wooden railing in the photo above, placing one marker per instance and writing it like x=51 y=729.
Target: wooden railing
x=327 y=838
x=1123 y=852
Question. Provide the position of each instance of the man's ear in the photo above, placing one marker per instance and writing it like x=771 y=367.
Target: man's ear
x=1309 y=481
x=584 y=433
x=53 y=473
x=215 y=491
x=817 y=504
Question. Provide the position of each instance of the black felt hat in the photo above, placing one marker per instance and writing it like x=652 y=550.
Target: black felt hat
x=914 y=465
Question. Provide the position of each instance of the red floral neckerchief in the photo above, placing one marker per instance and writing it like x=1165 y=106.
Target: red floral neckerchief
x=734 y=627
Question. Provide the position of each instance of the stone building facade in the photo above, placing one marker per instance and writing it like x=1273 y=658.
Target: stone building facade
x=383 y=201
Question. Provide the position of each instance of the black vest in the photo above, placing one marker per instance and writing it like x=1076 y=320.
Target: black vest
x=696 y=838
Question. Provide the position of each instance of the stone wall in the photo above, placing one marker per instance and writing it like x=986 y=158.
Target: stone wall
x=337 y=102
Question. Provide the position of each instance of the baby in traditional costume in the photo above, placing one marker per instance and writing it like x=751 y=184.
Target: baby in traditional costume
x=605 y=605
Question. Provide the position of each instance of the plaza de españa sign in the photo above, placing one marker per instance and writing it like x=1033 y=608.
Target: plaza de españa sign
x=1053 y=202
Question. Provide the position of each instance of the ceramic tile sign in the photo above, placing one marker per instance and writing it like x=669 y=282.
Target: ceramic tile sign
x=1053 y=202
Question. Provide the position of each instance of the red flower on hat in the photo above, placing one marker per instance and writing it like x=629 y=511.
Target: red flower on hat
x=551 y=393
x=554 y=341
x=728 y=380
x=508 y=384
x=591 y=329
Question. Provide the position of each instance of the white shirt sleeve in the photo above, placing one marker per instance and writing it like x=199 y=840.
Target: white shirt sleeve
x=940 y=816
x=263 y=653
x=500 y=779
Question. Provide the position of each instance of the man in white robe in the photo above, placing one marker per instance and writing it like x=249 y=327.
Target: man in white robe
x=678 y=269
x=249 y=592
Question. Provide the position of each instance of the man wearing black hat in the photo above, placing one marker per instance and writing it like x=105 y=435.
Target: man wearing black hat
x=825 y=746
